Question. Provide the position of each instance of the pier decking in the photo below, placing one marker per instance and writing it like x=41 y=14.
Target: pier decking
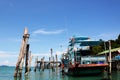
x=49 y=62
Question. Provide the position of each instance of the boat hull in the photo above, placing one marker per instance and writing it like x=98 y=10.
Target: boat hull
x=86 y=70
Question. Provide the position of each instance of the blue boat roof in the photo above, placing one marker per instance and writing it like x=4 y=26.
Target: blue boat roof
x=90 y=43
x=78 y=38
x=83 y=41
x=86 y=43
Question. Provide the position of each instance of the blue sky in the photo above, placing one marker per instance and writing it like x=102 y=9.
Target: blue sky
x=52 y=22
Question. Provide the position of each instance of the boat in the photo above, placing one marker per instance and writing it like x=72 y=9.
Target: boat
x=78 y=61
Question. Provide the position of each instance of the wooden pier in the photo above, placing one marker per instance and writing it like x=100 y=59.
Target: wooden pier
x=40 y=65
x=47 y=64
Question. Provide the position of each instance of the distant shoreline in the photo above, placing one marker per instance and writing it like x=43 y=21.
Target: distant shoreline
x=6 y=66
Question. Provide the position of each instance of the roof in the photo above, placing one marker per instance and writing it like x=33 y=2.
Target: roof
x=107 y=51
x=90 y=43
x=78 y=38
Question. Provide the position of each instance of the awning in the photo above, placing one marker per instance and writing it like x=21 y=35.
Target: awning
x=107 y=51
x=90 y=43
x=78 y=38
x=87 y=43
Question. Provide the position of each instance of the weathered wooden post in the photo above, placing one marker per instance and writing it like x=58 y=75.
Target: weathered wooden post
x=51 y=50
x=22 y=52
x=56 y=61
x=42 y=64
x=20 y=68
x=39 y=65
x=26 y=61
x=30 y=60
x=51 y=64
x=110 y=62
x=36 y=64
x=56 y=64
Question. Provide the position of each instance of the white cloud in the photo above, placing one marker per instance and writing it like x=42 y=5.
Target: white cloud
x=8 y=58
x=4 y=54
x=41 y=55
x=59 y=53
x=46 y=55
x=43 y=31
x=6 y=62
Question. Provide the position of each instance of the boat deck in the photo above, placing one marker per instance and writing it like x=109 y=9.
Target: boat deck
x=92 y=65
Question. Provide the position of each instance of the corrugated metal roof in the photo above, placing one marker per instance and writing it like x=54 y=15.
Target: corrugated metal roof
x=107 y=51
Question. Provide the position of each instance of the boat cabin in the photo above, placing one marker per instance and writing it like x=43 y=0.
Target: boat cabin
x=93 y=60
x=79 y=51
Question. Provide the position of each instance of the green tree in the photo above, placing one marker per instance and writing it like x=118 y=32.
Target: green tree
x=118 y=40
x=96 y=49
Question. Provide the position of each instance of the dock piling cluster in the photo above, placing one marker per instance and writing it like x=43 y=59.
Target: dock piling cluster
x=51 y=64
x=24 y=53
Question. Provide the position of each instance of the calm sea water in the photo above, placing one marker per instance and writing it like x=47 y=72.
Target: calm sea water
x=6 y=73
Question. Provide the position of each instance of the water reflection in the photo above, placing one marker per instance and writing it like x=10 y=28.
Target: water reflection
x=17 y=78
x=49 y=74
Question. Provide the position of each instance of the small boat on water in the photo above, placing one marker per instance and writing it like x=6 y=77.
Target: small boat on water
x=78 y=61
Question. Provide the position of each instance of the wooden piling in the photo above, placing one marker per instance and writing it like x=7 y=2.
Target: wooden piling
x=22 y=51
x=53 y=64
x=21 y=67
x=36 y=64
x=30 y=60
x=26 y=61
x=56 y=61
x=39 y=66
x=42 y=64
x=49 y=65
x=51 y=52
x=51 y=59
x=110 y=63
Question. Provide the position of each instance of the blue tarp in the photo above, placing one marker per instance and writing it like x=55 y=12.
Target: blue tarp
x=117 y=57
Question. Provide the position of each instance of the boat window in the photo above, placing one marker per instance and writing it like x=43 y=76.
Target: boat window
x=101 y=62
x=94 y=62
x=86 y=62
